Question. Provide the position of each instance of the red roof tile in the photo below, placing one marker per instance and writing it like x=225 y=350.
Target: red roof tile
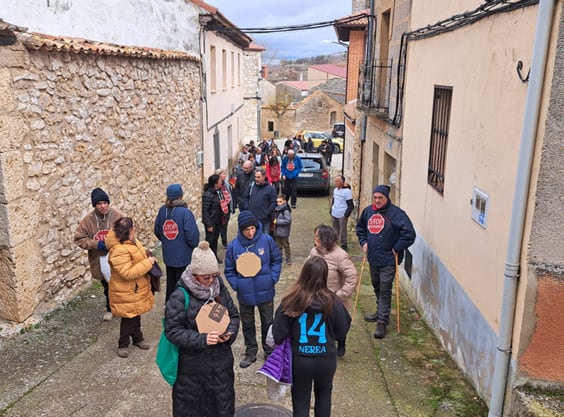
x=337 y=70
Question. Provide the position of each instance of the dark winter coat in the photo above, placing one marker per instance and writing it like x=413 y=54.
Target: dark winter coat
x=205 y=382
x=260 y=200
x=212 y=214
x=283 y=219
x=311 y=334
x=385 y=229
x=260 y=289
x=243 y=181
x=177 y=252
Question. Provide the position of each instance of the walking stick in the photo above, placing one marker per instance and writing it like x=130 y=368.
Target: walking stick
x=397 y=293
x=358 y=287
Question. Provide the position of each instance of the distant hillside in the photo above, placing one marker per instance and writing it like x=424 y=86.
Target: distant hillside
x=296 y=69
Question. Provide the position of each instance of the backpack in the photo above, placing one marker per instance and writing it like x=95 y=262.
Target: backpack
x=167 y=352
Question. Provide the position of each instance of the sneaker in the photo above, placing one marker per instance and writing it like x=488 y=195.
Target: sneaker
x=340 y=349
x=142 y=345
x=380 y=331
x=372 y=318
x=108 y=316
x=247 y=360
x=219 y=261
x=288 y=261
x=123 y=352
x=293 y=206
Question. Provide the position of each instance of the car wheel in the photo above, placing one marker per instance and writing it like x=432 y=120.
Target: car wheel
x=336 y=149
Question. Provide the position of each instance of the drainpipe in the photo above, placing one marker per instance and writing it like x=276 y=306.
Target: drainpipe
x=366 y=89
x=520 y=197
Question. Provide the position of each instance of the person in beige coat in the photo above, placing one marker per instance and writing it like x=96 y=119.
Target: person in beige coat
x=343 y=275
x=130 y=286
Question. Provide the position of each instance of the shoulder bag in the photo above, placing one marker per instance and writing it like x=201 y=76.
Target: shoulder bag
x=167 y=352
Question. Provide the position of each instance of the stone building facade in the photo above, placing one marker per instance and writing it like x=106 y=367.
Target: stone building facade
x=78 y=115
x=312 y=113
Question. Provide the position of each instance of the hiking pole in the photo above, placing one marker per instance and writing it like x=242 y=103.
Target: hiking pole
x=358 y=287
x=397 y=292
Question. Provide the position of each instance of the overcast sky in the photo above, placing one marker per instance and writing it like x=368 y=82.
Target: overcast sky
x=300 y=44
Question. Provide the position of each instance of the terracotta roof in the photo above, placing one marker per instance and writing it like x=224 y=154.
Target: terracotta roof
x=337 y=70
x=255 y=47
x=219 y=23
x=34 y=40
x=345 y=25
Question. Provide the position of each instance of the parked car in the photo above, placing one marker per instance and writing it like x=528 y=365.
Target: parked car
x=315 y=173
x=338 y=130
x=317 y=137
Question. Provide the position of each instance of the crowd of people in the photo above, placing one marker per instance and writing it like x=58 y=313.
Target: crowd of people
x=313 y=318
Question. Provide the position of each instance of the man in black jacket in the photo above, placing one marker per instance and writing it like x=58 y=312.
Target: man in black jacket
x=244 y=177
x=260 y=199
x=384 y=231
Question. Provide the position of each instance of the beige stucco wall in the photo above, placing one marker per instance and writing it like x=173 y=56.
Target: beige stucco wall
x=487 y=112
x=224 y=106
x=72 y=122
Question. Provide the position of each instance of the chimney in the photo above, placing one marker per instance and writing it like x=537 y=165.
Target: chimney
x=264 y=72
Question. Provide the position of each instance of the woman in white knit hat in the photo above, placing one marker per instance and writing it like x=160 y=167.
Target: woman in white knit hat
x=205 y=382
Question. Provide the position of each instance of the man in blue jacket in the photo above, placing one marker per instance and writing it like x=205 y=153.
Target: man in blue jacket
x=384 y=232
x=291 y=168
x=252 y=267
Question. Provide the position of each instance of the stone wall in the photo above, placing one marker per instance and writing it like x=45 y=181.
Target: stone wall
x=74 y=121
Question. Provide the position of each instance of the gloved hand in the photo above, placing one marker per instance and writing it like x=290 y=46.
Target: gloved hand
x=102 y=245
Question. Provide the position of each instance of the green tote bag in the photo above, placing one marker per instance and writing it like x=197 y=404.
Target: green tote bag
x=167 y=352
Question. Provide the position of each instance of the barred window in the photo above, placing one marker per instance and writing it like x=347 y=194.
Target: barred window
x=442 y=100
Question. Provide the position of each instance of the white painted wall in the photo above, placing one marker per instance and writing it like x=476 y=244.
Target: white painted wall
x=165 y=24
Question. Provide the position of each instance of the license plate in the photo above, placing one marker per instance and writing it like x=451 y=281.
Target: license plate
x=305 y=174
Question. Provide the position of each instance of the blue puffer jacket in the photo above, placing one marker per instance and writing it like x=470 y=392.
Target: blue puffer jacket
x=385 y=229
x=260 y=289
x=181 y=241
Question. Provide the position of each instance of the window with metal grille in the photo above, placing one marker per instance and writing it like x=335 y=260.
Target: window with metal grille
x=442 y=100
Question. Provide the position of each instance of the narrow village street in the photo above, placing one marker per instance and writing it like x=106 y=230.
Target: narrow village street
x=68 y=365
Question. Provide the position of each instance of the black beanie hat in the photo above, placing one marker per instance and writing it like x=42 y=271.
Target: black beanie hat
x=246 y=219
x=99 y=195
x=382 y=189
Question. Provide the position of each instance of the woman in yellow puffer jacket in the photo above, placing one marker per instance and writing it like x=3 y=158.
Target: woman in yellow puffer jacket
x=130 y=286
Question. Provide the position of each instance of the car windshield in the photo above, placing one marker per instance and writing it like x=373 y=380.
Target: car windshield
x=311 y=163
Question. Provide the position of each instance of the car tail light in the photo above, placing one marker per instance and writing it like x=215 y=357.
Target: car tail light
x=325 y=174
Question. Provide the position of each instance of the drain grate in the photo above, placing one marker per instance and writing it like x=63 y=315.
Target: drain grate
x=262 y=410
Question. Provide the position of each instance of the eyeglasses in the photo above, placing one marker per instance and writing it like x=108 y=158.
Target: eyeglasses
x=206 y=276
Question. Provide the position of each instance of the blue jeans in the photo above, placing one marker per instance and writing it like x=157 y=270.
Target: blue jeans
x=247 y=314
x=382 y=281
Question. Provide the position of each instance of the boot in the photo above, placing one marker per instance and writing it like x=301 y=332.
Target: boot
x=380 y=331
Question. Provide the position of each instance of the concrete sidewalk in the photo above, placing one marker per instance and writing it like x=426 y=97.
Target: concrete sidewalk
x=68 y=366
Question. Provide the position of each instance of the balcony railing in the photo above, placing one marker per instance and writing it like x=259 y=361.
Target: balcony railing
x=374 y=87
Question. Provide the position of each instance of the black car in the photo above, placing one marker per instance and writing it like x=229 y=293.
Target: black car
x=338 y=130
x=315 y=173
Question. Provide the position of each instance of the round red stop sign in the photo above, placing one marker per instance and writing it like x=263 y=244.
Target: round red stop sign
x=170 y=229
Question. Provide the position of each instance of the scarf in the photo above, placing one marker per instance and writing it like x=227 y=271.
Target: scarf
x=199 y=290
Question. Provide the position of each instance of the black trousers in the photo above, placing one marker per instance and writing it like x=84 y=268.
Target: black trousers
x=106 y=294
x=291 y=190
x=212 y=237
x=319 y=372
x=173 y=274
x=129 y=328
